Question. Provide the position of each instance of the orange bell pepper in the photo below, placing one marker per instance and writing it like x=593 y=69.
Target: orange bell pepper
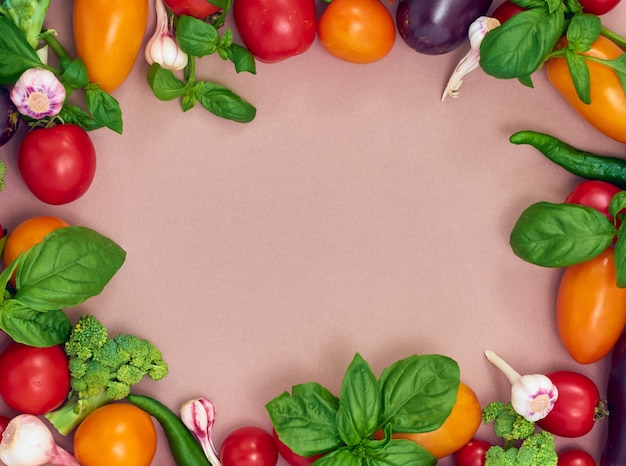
x=607 y=110
x=108 y=35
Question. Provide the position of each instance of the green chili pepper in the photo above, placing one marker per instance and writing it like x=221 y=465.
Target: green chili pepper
x=183 y=445
x=584 y=164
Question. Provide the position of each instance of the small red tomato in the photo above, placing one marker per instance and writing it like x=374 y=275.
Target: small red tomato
x=576 y=458
x=594 y=193
x=199 y=9
x=598 y=7
x=58 y=163
x=249 y=446
x=33 y=380
x=574 y=413
x=506 y=10
x=472 y=454
x=290 y=457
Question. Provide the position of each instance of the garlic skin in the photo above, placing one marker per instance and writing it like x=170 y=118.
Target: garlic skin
x=532 y=396
x=477 y=31
x=198 y=415
x=162 y=47
x=38 y=94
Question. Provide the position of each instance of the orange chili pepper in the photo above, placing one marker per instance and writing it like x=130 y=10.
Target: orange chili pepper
x=607 y=110
x=108 y=35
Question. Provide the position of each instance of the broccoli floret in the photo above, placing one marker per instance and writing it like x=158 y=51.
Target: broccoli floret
x=498 y=456
x=538 y=449
x=102 y=370
x=506 y=422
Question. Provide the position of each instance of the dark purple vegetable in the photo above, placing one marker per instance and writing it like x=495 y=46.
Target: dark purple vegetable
x=614 y=453
x=435 y=27
x=9 y=116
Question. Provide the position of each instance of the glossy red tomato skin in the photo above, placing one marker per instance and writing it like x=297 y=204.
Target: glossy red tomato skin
x=200 y=9
x=506 y=10
x=33 y=380
x=57 y=164
x=293 y=459
x=472 y=454
x=575 y=458
x=249 y=446
x=574 y=412
x=598 y=7
x=274 y=30
x=593 y=193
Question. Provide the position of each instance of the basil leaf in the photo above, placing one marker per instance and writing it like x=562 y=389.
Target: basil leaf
x=341 y=457
x=518 y=47
x=618 y=65
x=104 y=108
x=560 y=235
x=6 y=275
x=419 y=392
x=16 y=54
x=74 y=74
x=579 y=72
x=619 y=258
x=33 y=328
x=360 y=402
x=242 y=59
x=196 y=37
x=400 y=451
x=76 y=115
x=305 y=420
x=164 y=84
x=583 y=31
x=70 y=265
x=225 y=103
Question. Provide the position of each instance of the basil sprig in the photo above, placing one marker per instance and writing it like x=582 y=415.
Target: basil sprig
x=415 y=394
x=520 y=46
x=69 y=266
x=560 y=235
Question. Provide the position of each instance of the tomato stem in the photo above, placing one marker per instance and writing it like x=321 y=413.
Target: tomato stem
x=609 y=34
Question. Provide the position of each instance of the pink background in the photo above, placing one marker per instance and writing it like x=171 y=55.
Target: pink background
x=356 y=213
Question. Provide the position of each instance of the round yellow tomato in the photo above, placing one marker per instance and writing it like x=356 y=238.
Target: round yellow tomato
x=458 y=428
x=119 y=434
x=27 y=234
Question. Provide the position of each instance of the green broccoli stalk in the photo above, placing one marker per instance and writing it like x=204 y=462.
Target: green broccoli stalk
x=102 y=370
x=28 y=16
x=535 y=448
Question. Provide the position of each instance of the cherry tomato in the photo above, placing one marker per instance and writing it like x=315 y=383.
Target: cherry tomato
x=590 y=308
x=249 y=446
x=594 y=193
x=598 y=7
x=200 y=9
x=472 y=454
x=576 y=458
x=118 y=433
x=293 y=459
x=574 y=412
x=58 y=163
x=274 y=30
x=357 y=31
x=108 y=35
x=33 y=380
x=27 y=234
x=506 y=10
x=4 y=422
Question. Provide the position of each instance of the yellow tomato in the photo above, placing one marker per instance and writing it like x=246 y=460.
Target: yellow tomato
x=27 y=234
x=119 y=434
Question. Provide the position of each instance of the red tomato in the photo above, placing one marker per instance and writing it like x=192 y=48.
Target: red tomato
x=33 y=380
x=293 y=459
x=4 y=422
x=576 y=458
x=58 y=163
x=200 y=9
x=598 y=7
x=595 y=194
x=274 y=30
x=472 y=454
x=249 y=446
x=506 y=10
x=574 y=413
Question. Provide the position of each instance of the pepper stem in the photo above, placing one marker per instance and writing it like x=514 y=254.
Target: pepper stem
x=615 y=37
x=511 y=374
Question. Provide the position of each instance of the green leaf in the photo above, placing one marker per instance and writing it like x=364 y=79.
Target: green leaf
x=518 y=47
x=33 y=328
x=359 y=402
x=617 y=204
x=580 y=75
x=619 y=259
x=401 y=452
x=242 y=59
x=305 y=420
x=76 y=115
x=225 y=103
x=104 y=108
x=618 y=65
x=526 y=81
x=560 y=235
x=196 y=37
x=164 y=84
x=16 y=54
x=69 y=266
x=6 y=275
x=74 y=74
x=583 y=31
x=418 y=392
x=222 y=4
x=340 y=457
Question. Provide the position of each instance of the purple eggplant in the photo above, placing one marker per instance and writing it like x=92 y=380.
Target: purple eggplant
x=614 y=453
x=435 y=27
x=9 y=117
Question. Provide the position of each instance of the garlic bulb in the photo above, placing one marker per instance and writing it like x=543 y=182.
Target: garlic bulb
x=162 y=47
x=38 y=93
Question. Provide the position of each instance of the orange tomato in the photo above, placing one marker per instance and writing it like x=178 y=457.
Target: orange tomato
x=458 y=429
x=590 y=308
x=27 y=234
x=118 y=434
x=108 y=35
x=607 y=110
x=357 y=31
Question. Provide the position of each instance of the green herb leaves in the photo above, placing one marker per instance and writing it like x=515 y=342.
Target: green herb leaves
x=415 y=394
x=70 y=265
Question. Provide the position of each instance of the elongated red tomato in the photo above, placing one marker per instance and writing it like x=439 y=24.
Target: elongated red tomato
x=108 y=35
x=607 y=110
x=590 y=308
